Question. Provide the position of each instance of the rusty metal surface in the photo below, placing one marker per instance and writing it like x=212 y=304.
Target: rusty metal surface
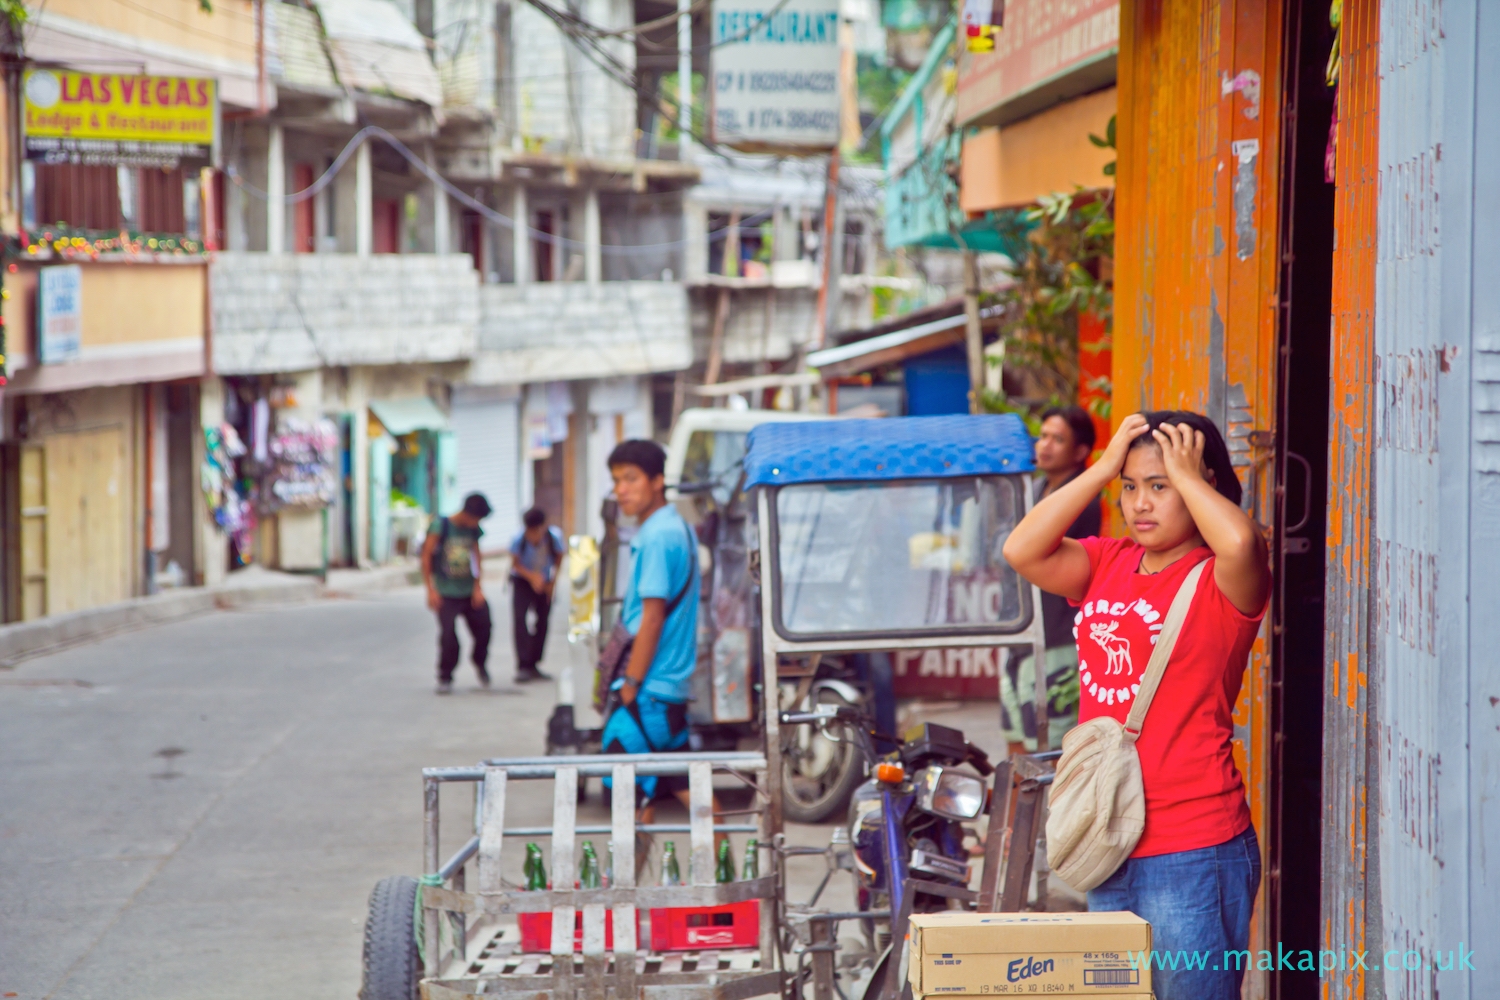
x=1196 y=269
x=1350 y=749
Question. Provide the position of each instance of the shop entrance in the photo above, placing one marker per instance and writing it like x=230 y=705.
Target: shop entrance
x=1293 y=874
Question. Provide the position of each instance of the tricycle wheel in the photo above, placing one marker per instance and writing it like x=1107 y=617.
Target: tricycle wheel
x=392 y=968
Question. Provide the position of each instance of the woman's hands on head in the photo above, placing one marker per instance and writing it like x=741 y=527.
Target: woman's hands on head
x=1113 y=459
x=1182 y=453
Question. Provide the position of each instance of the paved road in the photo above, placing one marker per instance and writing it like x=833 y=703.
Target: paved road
x=200 y=809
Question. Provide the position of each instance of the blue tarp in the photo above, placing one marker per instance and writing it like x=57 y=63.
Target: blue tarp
x=822 y=451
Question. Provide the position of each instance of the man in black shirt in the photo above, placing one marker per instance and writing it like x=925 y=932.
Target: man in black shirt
x=1062 y=451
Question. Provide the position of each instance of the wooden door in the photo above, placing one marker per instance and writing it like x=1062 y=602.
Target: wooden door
x=33 y=532
x=86 y=531
x=1197 y=263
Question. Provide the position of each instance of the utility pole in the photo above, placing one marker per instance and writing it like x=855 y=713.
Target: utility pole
x=828 y=293
x=684 y=78
x=973 y=334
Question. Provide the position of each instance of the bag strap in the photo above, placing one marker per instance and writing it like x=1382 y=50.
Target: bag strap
x=692 y=573
x=435 y=561
x=1165 y=642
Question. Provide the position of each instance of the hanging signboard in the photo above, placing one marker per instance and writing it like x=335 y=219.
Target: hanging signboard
x=1049 y=50
x=59 y=314
x=775 y=74
x=117 y=119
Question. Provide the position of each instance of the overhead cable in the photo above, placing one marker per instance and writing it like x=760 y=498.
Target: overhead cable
x=467 y=200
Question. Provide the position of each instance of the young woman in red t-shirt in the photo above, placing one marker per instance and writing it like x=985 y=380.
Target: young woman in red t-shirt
x=1196 y=870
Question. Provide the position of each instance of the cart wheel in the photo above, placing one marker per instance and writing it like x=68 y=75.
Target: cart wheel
x=392 y=968
x=819 y=774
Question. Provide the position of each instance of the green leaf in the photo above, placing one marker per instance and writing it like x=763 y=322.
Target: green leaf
x=1101 y=143
x=1109 y=168
x=1109 y=132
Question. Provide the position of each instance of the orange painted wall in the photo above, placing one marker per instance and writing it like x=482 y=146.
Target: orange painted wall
x=1346 y=704
x=1196 y=258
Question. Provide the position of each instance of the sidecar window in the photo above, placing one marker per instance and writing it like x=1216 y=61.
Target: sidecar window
x=902 y=558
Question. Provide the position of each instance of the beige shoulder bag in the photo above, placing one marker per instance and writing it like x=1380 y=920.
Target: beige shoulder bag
x=1098 y=804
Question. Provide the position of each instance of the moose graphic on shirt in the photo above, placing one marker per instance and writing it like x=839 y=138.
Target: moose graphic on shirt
x=1116 y=647
x=1105 y=622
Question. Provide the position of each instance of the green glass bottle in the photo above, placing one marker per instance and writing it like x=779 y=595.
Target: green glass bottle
x=588 y=871
x=724 y=872
x=671 y=872
x=536 y=871
x=752 y=860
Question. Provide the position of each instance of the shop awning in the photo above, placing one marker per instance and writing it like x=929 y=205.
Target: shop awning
x=402 y=416
x=896 y=346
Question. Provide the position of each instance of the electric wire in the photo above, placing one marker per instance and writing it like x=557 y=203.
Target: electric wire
x=468 y=201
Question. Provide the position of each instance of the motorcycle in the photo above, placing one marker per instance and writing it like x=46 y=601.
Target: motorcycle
x=907 y=821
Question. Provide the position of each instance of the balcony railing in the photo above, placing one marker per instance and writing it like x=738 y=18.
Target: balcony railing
x=568 y=330
x=291 y=312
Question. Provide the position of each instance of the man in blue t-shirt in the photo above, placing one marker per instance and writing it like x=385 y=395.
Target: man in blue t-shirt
x=660 y=611
x=536 y=556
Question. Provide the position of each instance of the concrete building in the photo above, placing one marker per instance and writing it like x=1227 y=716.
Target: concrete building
x=106 y=313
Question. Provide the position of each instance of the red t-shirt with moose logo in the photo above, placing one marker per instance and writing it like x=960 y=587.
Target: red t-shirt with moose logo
x=1194 y=795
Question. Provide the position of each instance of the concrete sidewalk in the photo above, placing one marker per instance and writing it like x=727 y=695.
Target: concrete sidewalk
x=251 y=587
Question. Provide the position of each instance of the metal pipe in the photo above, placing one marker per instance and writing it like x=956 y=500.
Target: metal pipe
x=456 y=863
x=546 y=831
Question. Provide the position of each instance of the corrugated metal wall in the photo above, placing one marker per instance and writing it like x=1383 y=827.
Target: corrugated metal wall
x=1348 y=747
x=1196 y=262
x=1410 y=741
x=1407 y=537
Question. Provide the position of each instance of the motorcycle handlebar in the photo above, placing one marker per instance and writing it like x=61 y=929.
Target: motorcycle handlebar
x=824 y=713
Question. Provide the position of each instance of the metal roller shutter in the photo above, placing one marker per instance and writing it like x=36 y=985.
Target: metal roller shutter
x=486 y=427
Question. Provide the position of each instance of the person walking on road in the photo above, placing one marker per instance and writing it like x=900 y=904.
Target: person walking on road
x=536 y=557
x=1062 y=452
x=1196 y=869
x=453 y=573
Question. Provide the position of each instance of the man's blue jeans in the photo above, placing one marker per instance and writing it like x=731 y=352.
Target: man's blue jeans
x=1199 y=904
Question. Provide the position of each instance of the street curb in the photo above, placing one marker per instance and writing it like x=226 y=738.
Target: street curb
x=24 y=640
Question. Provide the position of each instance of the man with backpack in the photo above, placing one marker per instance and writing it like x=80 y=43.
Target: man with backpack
x=452 y=572
x=536 y=556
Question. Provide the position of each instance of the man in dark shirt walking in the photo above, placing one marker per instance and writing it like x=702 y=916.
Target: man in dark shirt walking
x=1062 y=451
x=451 y=568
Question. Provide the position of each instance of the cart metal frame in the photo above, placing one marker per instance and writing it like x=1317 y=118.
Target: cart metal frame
x=450 y=973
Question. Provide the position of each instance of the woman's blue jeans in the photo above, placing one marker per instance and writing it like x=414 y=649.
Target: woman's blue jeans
x=1199 y=905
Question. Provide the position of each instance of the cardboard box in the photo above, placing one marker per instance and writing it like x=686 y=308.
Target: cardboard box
x=1043 y=954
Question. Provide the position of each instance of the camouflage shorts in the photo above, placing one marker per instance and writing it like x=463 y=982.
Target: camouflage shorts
x=1018 y=697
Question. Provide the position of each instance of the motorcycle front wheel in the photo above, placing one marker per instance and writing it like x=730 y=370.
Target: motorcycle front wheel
x=819 y=769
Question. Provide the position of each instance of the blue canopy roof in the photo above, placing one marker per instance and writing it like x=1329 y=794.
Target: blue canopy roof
x=821 y=451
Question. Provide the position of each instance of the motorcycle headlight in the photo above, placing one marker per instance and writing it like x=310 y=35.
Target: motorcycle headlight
x=949 y=793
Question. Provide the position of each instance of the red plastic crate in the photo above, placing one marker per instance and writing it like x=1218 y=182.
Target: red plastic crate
x=695 y=928
x=536 y=930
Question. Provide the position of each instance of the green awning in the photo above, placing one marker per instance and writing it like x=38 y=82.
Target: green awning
x=402 y=416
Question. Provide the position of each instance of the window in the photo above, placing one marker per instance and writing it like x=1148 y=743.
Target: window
x=141 y=199
x=898 y=558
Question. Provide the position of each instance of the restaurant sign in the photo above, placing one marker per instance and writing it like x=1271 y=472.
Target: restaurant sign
x=118 y=119
x=775 y=74
x=1043 y=42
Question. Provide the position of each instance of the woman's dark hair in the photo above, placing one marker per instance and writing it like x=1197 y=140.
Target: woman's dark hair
x=647 y=456
x=1215 y=453
x=534 y=518
x=1078 y=421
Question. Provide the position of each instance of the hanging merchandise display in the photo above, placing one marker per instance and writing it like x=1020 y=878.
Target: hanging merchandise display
x=303 y=464
x=229 y=504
